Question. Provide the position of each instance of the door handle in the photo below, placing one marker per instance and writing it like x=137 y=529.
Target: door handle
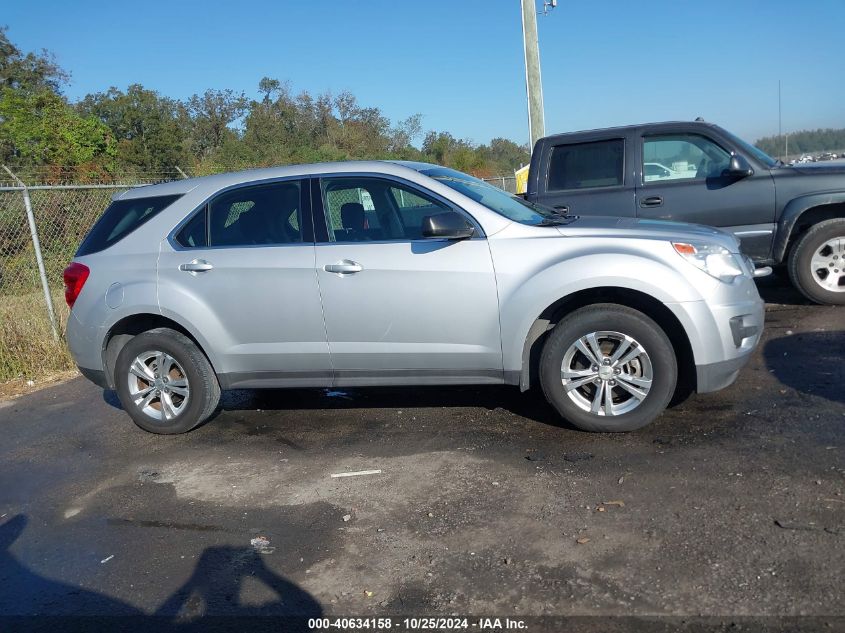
x=344 y=266
x=563 y=208
x=196 y=266
x=652 y=201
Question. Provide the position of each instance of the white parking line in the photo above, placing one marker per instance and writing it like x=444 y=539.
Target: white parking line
x=356 y=473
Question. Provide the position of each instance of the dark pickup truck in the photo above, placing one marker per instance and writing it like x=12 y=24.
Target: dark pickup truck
x=698 y=172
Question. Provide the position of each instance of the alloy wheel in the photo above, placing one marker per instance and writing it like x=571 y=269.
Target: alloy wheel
x=827 y=265
x=606 y=373
x=158 y=385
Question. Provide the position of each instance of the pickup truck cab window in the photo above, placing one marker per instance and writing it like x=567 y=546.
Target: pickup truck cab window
x=587 y=165
x=682 y=157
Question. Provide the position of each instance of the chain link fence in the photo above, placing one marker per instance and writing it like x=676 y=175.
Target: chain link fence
x=62 y=218
x=508 y=183
x=41 y=226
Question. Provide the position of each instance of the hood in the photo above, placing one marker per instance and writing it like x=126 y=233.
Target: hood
x=818 y=169
x=663 y=230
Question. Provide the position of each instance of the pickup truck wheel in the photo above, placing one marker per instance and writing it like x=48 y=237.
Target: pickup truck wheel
x=608 y=368
x=165 y=383
x=817 y=263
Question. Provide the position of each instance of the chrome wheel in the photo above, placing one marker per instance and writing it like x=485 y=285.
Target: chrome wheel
x=158 y=385
x=827 y=263
x=606 y=373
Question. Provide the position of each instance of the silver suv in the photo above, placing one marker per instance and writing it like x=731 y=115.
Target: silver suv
x=388 y=273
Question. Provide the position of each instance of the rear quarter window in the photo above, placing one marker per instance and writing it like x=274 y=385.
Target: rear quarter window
x=120 y=218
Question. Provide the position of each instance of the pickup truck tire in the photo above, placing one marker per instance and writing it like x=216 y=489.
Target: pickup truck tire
x=817 y=263
x=636 y=358
x=165 y=383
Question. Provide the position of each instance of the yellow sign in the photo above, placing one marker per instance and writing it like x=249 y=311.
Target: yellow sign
x=521 y=179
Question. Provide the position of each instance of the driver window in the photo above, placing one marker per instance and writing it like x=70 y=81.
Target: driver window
x=362 y=209
x=682 y=157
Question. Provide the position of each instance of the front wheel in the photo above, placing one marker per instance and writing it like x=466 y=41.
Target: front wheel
x=817 y=263
x=608 y=368
x=165 y=383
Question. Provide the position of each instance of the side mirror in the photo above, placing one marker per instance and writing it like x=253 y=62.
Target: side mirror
x=448 y=225
x=739 y=167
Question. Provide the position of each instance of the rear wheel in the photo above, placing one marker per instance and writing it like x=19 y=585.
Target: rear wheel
x=607 y=367
x=817 y=263
x=165 y=383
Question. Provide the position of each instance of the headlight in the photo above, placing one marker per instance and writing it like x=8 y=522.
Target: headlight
x=715 y=260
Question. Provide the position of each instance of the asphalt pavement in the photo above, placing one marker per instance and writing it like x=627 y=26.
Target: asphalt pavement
x=729 y=508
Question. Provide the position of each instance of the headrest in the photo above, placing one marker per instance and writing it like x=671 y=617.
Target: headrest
x=352 y=215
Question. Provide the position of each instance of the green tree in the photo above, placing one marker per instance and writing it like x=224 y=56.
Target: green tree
x=146 y=125
x=30 y=72
x=211 y=115
x=42 y=129
x=460 y=154
x=505 y=155
x=216 y=130
x=804 y=141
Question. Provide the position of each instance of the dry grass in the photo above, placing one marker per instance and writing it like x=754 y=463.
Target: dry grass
x=27 y=348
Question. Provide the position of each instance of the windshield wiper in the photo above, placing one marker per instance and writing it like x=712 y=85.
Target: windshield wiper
x=559 y=221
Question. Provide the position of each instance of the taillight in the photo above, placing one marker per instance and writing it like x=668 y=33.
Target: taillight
x=74 y=276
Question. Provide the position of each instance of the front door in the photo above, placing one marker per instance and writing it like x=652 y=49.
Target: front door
x=399 y=308
x=242 y=271
x=682 y=179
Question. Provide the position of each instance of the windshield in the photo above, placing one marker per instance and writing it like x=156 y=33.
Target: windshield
x=495 y=199
x=759 y=154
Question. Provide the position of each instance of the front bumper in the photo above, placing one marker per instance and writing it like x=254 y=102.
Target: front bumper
x=723 y=332
x=716 y=376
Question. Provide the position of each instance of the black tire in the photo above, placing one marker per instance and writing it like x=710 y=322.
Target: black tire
x=614 y=318
x=204 y=390
x=800 y=262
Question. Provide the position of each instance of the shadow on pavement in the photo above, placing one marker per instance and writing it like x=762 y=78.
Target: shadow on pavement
x=214 y=587
x=810 y=362
x=209 y=600
x=776 y=288
x=25 y=592
x=529 y=405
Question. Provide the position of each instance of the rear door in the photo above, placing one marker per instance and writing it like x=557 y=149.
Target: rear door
x=682 y=178
x=401 y=309
x=241 y=270
x=588 y=176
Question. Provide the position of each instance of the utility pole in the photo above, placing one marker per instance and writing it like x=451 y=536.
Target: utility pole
x=533 y=83
x=780 y=124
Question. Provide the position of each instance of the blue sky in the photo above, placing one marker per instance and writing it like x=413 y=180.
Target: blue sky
x=459 y=63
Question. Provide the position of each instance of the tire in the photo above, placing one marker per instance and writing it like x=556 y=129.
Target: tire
x=653 y=365
x=156 y=402
x=823 y=243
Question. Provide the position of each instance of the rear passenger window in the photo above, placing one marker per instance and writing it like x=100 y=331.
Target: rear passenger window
x=120 y=219
x=587 y=165
x=259 y=215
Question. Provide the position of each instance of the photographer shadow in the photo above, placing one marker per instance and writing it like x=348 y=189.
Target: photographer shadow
x=209 y=600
